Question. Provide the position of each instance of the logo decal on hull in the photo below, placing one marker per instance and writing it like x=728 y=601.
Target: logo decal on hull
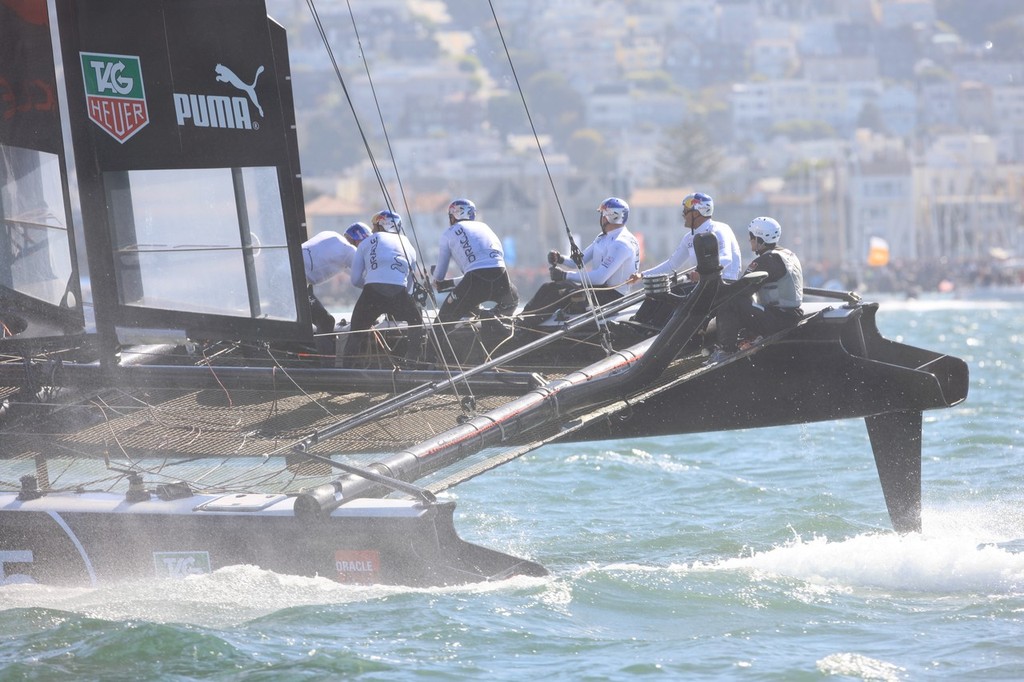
x=221 y=111
x=15 y=556
x=181 y=564
x=357 y=566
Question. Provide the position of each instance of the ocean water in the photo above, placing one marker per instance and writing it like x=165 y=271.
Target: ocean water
x=755 y=555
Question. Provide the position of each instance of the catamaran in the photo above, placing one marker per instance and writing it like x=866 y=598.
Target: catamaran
x=166 y=409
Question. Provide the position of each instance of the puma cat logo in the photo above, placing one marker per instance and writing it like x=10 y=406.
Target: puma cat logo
x=226 y=75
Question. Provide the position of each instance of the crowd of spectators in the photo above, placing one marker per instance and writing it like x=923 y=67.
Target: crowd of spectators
x=914 y=278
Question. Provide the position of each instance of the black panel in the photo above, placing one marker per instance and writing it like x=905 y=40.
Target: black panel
x=28 y=92
x=178 y=84
x=207 y=71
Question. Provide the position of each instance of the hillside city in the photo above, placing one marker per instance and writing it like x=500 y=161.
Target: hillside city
x=853 y=122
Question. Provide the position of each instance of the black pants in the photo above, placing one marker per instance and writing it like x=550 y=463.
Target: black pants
x=476 y=287
x=322 y=320
x=380 y=299
x=741 y=313
x=656 y=312
x=552 y=296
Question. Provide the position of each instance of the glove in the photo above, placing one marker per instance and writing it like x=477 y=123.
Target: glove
x=443 y=285
x=555 y=258
x=420 y=294
x=557 y=275
x=577 y=257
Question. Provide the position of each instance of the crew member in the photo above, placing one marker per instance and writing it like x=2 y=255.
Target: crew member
x=326 y=255
x=478 y=253
x=697 y=211
x=778 y=298
x=607 y=263
x=383 y=268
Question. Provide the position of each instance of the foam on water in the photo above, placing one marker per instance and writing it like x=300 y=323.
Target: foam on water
x=229 y=596
x=928 y=305
x=860 y=667
x=960 y=551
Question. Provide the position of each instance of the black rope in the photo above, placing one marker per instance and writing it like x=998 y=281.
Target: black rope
x=419 y=274
x=574 y=250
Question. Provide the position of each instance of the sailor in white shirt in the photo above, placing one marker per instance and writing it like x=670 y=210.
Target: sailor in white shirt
x=697 y=210
x=608 y=262
x=383 y=268
x=613 y=256
x=479 y=254
x=326 y=255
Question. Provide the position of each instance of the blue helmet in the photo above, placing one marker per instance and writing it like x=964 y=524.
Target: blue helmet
x=699 y=202
x=357 y=232
x=615 y=210
x=462 y=209
x=386 y=221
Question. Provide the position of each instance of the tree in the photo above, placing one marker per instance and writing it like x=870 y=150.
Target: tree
x=329 y=143
x=467 y=14
x=688 y=155
x=871 y=118
x=588 y=151
x=1007 y=37
x=505 y=114
x=974 y=20
x=654 y=81
x=555 y=106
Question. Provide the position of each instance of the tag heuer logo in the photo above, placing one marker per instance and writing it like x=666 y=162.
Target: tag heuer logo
x=114 y=93
x=181 y=564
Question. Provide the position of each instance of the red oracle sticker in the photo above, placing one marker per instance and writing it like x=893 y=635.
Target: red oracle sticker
x=357 y=566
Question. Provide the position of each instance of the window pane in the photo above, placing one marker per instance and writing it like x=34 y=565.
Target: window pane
x=266 y=224
x=35 y=256
x=180 y=244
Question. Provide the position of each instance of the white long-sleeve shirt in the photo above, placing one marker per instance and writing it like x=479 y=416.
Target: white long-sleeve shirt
x=325 y=255
x=615 y=256
x=683 y=258
x=384 y=258
x=472 y=244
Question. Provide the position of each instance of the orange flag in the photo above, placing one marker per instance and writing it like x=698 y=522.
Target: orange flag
x=878 y=252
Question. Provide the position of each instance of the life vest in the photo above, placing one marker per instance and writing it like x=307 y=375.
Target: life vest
x=788 y=290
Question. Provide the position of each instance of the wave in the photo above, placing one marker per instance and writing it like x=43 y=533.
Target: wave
x=927 y=305
x=226 y=597
x=959 y=552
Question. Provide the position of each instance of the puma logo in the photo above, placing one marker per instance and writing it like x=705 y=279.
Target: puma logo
x=226 y=75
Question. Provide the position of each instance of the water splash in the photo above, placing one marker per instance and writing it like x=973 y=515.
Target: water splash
x=860 y=667
x=962 y=551
x=227 y=597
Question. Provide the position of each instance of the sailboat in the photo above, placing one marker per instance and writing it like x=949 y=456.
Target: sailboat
x=166 y=409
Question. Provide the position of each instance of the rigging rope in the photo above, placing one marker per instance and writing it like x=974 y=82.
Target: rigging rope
x=574 y=250
x=420 y=275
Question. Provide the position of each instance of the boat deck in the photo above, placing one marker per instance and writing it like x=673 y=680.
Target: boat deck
x=226 y=439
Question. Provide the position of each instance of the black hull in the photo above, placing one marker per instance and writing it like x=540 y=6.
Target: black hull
x=98 y=538
x=836 y=367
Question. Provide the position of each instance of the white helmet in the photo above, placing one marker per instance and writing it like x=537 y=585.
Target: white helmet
x=614 y=210
x=386 y=221
x=699 y=202
x=462 y=209
x=766 y=229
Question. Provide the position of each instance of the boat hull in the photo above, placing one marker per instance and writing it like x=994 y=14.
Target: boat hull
x=95 y=538
x=837 y=366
